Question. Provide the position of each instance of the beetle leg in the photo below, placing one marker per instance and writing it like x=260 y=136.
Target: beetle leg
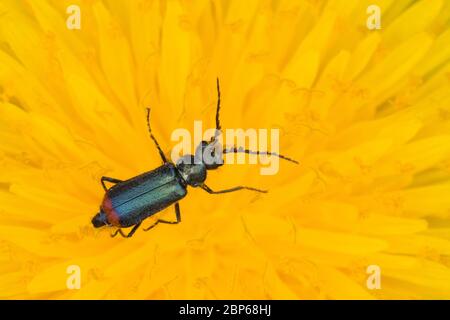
x=208 y=189
x=178 y=216
x=118 y=231
x=108 y=179
x=129 y=235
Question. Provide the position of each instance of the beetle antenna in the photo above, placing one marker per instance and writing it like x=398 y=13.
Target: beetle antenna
x=242 y=150
x=161 y=153
x=217 y=132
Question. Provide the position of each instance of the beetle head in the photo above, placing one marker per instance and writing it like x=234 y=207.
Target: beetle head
x=210 y=154
x=192 y=170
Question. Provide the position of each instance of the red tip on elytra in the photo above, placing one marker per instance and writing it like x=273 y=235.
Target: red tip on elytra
x=110 y=212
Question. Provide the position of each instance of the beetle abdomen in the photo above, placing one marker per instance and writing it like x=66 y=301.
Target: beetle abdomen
x=129 y=202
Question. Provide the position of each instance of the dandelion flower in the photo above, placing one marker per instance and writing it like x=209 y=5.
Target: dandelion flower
x=365 y=111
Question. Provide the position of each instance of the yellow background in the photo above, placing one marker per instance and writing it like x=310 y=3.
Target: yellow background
x=365 y=112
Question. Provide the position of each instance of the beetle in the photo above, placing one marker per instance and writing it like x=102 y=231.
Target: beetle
x=127 y=203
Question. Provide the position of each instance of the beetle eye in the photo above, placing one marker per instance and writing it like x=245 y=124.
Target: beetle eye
x=212 y=156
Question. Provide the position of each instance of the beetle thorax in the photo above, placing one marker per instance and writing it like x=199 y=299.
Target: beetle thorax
x=193 y=172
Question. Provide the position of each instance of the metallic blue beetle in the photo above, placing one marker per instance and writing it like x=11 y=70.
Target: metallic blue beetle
x=127 y=203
